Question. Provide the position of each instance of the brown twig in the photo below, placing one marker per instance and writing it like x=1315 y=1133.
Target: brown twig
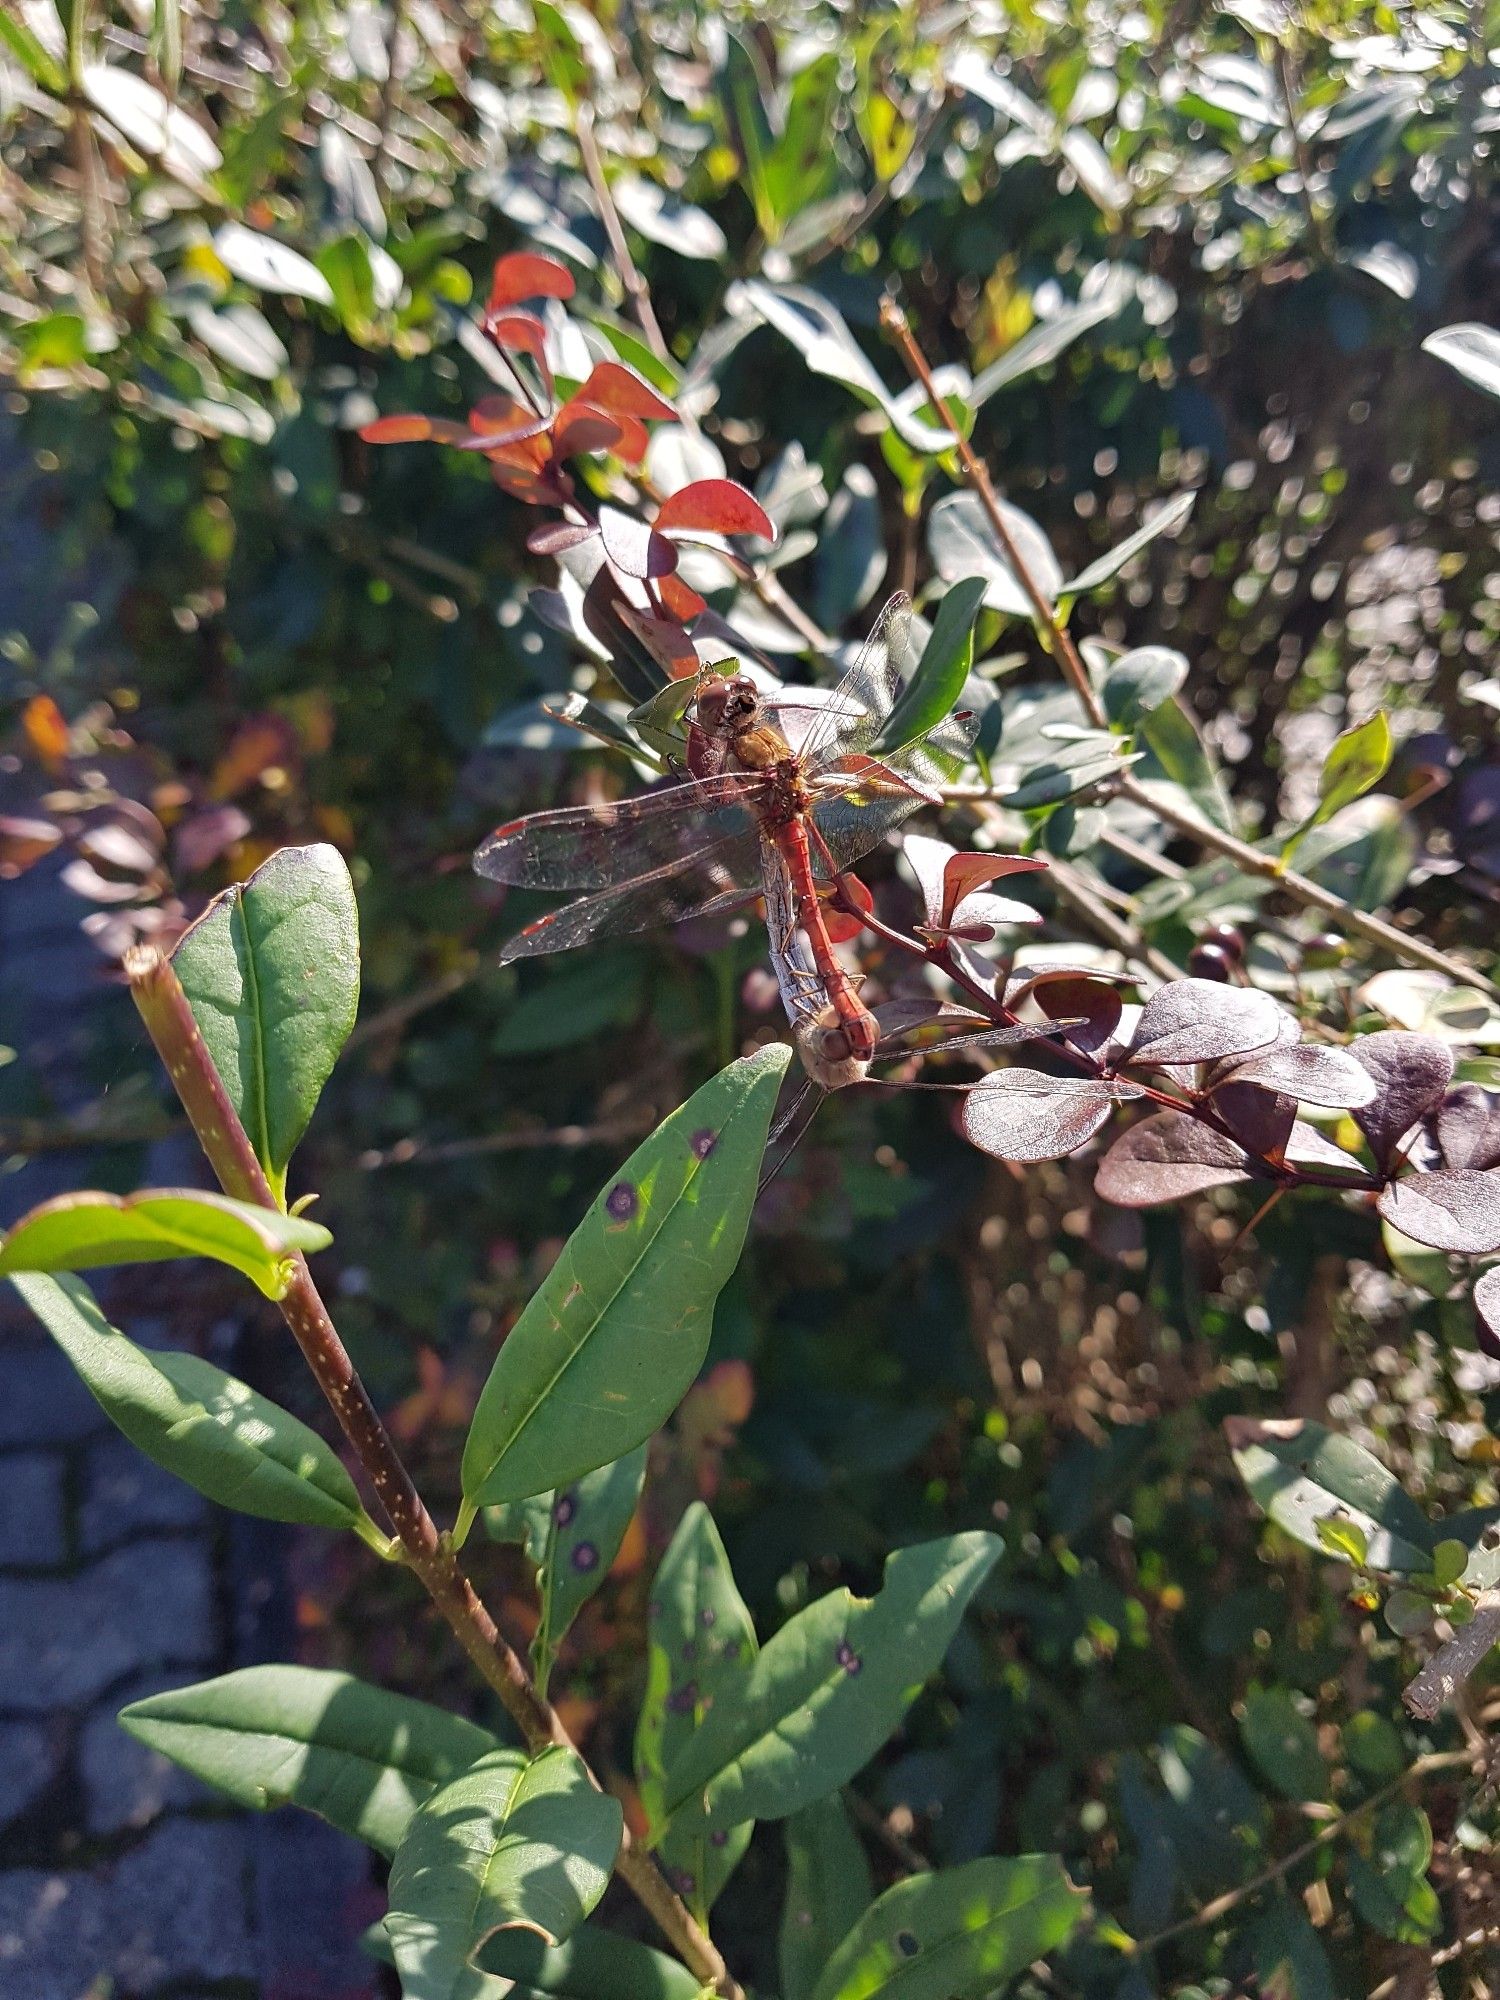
x=1453 y=1662
x=636 y=288
x=168 y=1015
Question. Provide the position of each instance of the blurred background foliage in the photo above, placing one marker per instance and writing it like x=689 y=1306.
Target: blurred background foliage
x=1164 y=248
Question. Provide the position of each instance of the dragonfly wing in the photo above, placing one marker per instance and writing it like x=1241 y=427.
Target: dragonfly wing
x=886 y=791
x=694 y=886
x=609 y=846
x=855 y=711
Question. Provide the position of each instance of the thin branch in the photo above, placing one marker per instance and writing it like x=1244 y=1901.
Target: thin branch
x=168 y=1015
x=636 y=288
x=1446 y=1760
x=1453 y=1662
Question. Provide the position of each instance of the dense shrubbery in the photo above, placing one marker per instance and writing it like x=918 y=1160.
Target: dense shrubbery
x=1225 y=653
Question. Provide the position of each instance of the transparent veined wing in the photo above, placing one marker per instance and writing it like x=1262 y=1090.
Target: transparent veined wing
x=852 y=717
x=694 y=885
x=610 y=845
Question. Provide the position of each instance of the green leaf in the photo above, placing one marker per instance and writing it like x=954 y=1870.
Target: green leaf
x=1358 y=760
x=594 y=1964
x=614 y=1336
x=1302 y=1474
x=79 y=1232
x=345 y=263
x=1180 y=756
x=1140 y=681
x=1165 y=521
x=956 y=1934
x=1283 y=1744
x=57 y=340
x=828 y=1889
x=1389 y=1888
x=1290 y=1961
x=1472 y=349
x=962 y=542
x=211 y=1430
x=828 y=1689
x=1449 y=1561
x=1373 y=1747
x=932 y=693
x=572 y=1537
x=515 y=1841
x=270 y=1736
x=272 y=971
x=32 y=55
x=700 y=1642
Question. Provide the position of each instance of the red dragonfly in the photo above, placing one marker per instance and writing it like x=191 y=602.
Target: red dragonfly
x=753 y=815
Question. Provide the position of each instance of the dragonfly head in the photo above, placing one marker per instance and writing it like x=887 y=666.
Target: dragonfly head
x=726 y=706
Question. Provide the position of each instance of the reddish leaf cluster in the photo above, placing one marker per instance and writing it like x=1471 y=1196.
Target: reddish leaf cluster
x=634 y=598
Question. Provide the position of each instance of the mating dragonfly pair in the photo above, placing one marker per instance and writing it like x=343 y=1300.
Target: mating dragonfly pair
x=781 y=795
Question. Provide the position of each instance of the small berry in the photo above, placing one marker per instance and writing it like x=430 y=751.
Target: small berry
x=1323 y=951
x=1210 y=961
x=1227 y=938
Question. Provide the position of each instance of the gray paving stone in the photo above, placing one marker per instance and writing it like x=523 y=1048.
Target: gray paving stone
x=42 y=1400
x=29 y=1758
x=52 y=1933
x=33 y=1524
x=177 y=1907
x=313 y=1895
x=63 y=1641
x=124 y=1783
x=125 y=1495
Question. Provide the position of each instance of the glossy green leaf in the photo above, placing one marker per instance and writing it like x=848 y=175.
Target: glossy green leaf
x=1178 y=754
x=1041 y=345
x=346 y=264
x=516 y=1841
x=828 y=1689
x=1283 y=1744
x=1140 y=681
x=33 y=55
x=1389 y=1886
x=272 y=971
x=1165 y=520
x=956 y=1934
x=1472 y=349
x=614 y=1336
x=593 y=1964
x=1302 y=1474
x=1289 y=1958
x=700 y=1642
x=361 y=1758
x=1373 y=1746
x=932 y=693
x=211 y=1430
x=962 y=542
x=80 y=1232
x=1358 y=760
x=828 y=1889
x=572 y=1537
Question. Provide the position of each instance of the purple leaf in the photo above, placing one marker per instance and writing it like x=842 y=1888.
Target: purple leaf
x=1261 y=1120
x=1021 y=1114
x=1468 y=1127
x=1307 y=1147
x=1410 y=1073
x=1200 y=1020
x=633 y=548
x=1458 y=1209
x=1166 y=1157
x=1066 y=995
x=1311 y=1074
x=1487 y=1312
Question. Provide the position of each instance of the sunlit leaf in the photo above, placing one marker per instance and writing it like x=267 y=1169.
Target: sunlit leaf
x=828 y=1889
x=934 y=689
x=1473 y=350
x=1303 y=1474
x=81 y=1232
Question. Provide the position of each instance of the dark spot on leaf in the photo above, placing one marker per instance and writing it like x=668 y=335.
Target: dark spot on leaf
x=683 y=1882
x=703 y=1143
x=690 y=1651
x=563 y=1509
x=847 y=1658
x=906 y=1944
x=720 y=1838
x=683 y=1700
x=707 y=1615
x=621 y=1202
x=585 y=1557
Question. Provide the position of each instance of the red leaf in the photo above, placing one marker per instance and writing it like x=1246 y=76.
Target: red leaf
x=24 y=841
x=718 y=507
x=1310 y=1073
x=1069 y=996
x=1468 y=1127
x=1021 y=1114
x=667 y=643
x=841 y=927
x=525 y=275
x=963 y=873
x=1487 y=1311
x=614 y=387
x=1167 y=1157
x=1261 y=1120
x=1457 y=1209
x=633 y=548
x=1200 y=1020
x=520 y=332
x=580 y=429
x=401 y=430
x=1411 y=1072
x=681 y=599
x=554 y=537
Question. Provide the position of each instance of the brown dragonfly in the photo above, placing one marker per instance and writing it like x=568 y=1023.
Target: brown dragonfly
x=781 y=796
